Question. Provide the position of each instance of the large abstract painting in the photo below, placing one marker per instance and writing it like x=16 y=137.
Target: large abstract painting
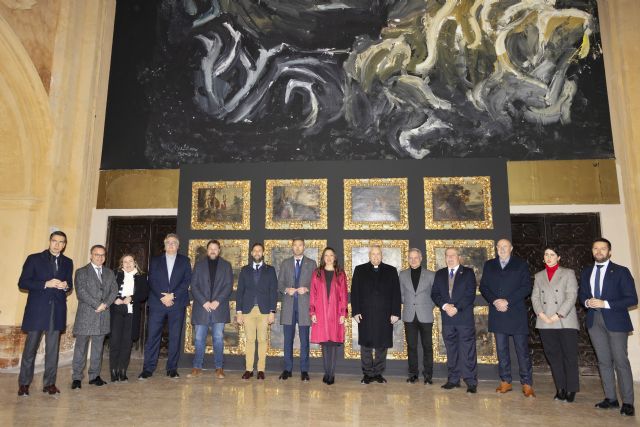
x=197 y=81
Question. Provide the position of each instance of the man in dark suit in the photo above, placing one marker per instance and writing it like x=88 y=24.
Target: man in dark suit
x=294 y=282
x=417 y=314
x=169 y=278
x=256 y=301
x=96 y=289
x=211 y=287
x=375 y=305
x=454 y=291
x=47 y=277
x=608 y=290
x=505 y=284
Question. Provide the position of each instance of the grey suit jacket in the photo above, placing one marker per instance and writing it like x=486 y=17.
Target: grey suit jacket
x=417 y=302
x=558 y=296
x=202 y=292
x=91 y=293
x=286 y=279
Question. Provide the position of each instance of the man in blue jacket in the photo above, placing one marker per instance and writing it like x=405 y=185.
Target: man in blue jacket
x=169 y=279
x=607 y=290
x=47 y=277
x=506 y=284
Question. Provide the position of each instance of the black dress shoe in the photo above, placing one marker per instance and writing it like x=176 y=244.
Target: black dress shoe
x=472 y=388
x=627 y=409
x=144 y=375
x=173 y=373
x=412 y=379
x=428 y=380
x=607 y=404
x=97 y=381
x=325 y=378
x=560 y=395
x=571 y=396
x=365 y=379
x=76 y=384
x=304 y=376
x=449 y=386
x=380 y=379
x=284 y=375
x=114 y=376
x=122 y=376
x=23 y=390
x=332 y=379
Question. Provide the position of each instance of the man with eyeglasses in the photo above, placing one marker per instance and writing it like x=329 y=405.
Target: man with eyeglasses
x=96 y=289
x=169 y=279
x=47 y=277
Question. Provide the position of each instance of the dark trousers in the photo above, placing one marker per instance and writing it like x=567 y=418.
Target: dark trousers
x=462 y=359
x=289 y=336
x=373 y=365
x=120 y=341
x=157 y=316
x=329 y=355
x=412 y=330
x=561 y=348
x=521 y=343
x=51 y=352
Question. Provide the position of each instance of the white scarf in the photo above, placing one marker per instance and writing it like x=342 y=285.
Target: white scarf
x=127 y=287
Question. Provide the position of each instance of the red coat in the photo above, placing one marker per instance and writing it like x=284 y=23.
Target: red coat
x=328 y=310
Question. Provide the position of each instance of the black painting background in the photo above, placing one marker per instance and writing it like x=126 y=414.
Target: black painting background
x=153 y=122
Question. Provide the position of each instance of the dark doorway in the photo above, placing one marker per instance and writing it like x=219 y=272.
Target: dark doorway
x=573 y=235
x=142 y=236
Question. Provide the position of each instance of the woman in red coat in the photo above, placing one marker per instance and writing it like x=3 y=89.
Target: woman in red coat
x=328 y=310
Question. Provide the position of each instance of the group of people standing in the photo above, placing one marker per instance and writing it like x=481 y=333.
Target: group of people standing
x=314 y=301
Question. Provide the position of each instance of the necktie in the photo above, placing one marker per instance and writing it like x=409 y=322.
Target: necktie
x=56 y=263
x=596 y=284
x=297 y=273
x=99 y=271
x=451 y=274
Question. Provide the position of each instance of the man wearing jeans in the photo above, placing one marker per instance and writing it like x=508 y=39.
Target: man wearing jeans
x=211 y=287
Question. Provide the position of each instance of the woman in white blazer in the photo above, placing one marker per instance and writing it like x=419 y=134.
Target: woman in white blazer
x=554 y=295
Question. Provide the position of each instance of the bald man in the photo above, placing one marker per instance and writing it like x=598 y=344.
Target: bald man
x=375 y=305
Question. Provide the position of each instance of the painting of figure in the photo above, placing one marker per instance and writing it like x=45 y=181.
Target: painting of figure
x=220 y=205
x=458 y=202
x=296 y=204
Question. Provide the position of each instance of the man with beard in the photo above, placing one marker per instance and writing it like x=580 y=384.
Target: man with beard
x=607 y=290
x=256 y=300
x=375 y=305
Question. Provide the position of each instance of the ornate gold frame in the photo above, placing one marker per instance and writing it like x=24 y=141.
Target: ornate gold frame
x=351 y=353
x=314 y=349
x=349 y=244
x=483 y=310
x=270 y=224
x=242 y=243
x=245 y=186
x=431 y=182
x=189 y=346
x=431 y=246
x=402 y=224
x=269 y=245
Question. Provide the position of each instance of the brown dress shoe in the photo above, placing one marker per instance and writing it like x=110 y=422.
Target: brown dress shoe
x=247 y=375
x=51 y=389
x=195 y=372
x=527 y=390
x=23 y=390
x=504 y=387
x=219 y=373
x=260 y=375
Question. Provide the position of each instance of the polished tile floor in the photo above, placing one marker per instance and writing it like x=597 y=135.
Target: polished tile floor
x=207 y=401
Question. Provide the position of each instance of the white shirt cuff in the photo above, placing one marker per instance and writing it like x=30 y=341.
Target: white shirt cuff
x=606 y=304
x=444 y=307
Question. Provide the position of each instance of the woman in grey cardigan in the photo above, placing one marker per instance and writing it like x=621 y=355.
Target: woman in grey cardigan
x=555 y=291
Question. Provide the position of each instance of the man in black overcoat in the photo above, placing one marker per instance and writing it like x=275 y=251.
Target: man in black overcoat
x=375 y=305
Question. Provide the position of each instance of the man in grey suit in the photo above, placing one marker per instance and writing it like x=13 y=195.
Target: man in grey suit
x=294 y=282
x=96 y=289
x=417 y=315
x=211 y=287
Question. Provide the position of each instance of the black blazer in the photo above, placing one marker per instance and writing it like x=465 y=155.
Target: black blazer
x=266 y=289
x=462 y=297
x=140 y=295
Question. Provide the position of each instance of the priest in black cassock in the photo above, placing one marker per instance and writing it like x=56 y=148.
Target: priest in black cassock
x=375 y=305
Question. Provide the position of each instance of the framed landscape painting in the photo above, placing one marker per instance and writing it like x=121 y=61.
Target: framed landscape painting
x=276 y=251
x=376 y=204
x=458 y=203
x=296 y=204
x=236 y=251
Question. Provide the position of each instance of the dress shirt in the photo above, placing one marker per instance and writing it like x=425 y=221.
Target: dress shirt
x=171 y=260
x=592 y=280
x=455 y=270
